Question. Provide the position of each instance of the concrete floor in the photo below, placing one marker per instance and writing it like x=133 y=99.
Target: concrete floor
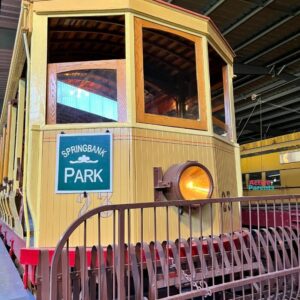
x=11 y=285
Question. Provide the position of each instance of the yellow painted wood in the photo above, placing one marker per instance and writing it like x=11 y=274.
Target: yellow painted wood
x=238 y=171
x=158 y=148
x=17 y=222
x=10 y=196
x=2 y=147
x=33 y=184
x=130 y=68
x=2 y=209
x=12 y=142
x=149 y=147
x=25 y=163
x=265 y=162
x=205 y=59
x=64 y=208
x=19 y=132
x=4 y=215
x=288 y=140
x=231 y=109
x=291 y=177
x=38 y=68
x=36 y=105
x=7 y=143
x=9 y=215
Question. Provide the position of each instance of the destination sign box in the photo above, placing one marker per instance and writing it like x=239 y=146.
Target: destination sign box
x=84 y=163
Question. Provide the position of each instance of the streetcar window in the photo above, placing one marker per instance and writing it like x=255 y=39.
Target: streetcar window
x=74 y=39
x=274 y=177
x=244 y=181
x=86 y=98
x=255 y=176
x=86 y=70
x=218 y=88
x=168 y=77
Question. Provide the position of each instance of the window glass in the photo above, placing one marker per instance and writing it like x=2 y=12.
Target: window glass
x=73 y=39
x=87 y=96
x=244 y=181
x=217 y=70
x=86 y=77
x=170 y=79
x=255 y=176
x=274 y=177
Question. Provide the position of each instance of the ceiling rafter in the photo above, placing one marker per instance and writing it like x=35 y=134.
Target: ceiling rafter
x=268 y=99
x=236 y=87
x=266 y=88
x=296 y=125
x=265 y=31
x=285 y=120
x=256 y=128
x=273 y=116
x=214 y=7
x=247 y=17
x=272 y=48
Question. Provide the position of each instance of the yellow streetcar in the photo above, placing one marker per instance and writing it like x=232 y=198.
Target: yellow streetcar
x=115 y=102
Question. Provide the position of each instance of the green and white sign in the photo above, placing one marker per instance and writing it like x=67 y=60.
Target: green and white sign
x=84 y=163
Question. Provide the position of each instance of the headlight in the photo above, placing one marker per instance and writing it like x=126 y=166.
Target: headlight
x=195 y=183
x=187 y=181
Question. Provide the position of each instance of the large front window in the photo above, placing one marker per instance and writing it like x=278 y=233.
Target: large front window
x=169 y=77
x=86 y=70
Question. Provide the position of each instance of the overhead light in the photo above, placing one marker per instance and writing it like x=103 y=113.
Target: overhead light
x=254 y=97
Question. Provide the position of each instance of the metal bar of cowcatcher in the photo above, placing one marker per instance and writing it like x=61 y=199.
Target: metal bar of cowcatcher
x=254 y=254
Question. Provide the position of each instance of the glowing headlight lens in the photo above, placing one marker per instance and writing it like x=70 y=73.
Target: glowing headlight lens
x=188 y=181
x=195 y=183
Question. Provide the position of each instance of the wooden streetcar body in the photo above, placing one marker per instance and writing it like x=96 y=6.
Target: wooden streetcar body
x=141 y=141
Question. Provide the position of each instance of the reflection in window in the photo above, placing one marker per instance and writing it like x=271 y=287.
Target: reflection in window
x=170 y=80
x=216 y=68
x=255 y=176
x=85 y=96
x=274 y=177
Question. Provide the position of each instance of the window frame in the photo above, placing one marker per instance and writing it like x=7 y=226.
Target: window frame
x=56 y=68
x=141 y=115
x=226 y=105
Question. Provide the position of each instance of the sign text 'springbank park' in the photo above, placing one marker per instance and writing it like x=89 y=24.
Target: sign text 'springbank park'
x=84 y=163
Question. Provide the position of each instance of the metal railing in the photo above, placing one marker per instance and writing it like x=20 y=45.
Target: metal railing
x=227 y=248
